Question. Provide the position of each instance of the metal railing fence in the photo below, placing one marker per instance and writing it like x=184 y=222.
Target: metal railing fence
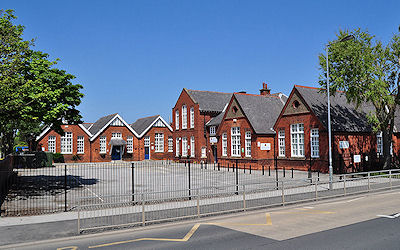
x=147 y=208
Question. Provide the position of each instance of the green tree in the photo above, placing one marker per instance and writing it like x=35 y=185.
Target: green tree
x=368 y=71
x=33 y=93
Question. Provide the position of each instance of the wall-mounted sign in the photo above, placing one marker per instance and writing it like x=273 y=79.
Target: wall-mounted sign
x=344 y=144
x=265 y=146
x=357 y=158
x=152 y=147
x=242 y=150
x=213 y=140
x=258 y=144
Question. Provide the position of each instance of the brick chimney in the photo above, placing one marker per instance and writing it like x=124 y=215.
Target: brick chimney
x=265 y=90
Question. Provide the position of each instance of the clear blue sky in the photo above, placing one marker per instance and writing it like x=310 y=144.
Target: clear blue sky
x=134 y=57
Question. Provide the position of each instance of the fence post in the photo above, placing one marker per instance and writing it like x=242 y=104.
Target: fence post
x=250 y=169
x=369 y=187
x=244 y=168
x=269 y=170
x=316 y=190
x=65 y=188
x=244 y=198
x=344 y=184
x=143 y=212
x=276 y=172
x=133 y=181
x=198 y=204
x=228 y=167
x=218 y=166
x=263 y=170
x=390 y=178
x=292 y=173
x=79 y=215
x=190 y=196
x=237 y=178
x=283 y=194
x=284 y=173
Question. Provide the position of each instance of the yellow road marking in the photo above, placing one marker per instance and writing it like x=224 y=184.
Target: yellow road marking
x=187 y=236
x=306 y=211
x=68 y=248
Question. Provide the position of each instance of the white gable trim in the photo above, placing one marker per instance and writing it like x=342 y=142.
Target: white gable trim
x=43 y=133
x=85 y=130
x=151 y=125
x=109 y=122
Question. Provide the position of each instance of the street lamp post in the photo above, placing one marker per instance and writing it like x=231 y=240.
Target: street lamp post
x=349 y=37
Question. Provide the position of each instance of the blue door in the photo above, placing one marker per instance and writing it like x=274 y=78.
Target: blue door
x=146 y=153
x=116 y=153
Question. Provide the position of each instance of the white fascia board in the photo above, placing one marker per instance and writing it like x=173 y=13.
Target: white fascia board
x=43 y=133
x=109 y=122
x=85 y=130
x=151 y=125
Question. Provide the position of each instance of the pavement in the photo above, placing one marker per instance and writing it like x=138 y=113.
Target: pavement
x=366 y=221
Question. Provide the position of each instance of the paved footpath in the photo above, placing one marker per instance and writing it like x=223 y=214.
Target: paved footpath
x=366 y=221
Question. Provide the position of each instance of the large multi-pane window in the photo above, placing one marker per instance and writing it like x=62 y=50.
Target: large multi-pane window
x=184 y=146
x=177 y=119
x=297 y=139
x=170 y=144
x=192 y=152
x=248 y=143
x=129 y=144
x=314 y=137
x=159 y=142
x=224 y=144
x=52 y=144
x=379 y=143
x=235 y=141
x=184 y=117
x=66 y=143
x=281 y=141
x=177 y=146
x=103 y=145
x=80 y=145
x=191 y=117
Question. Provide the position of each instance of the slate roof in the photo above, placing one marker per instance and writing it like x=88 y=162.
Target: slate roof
x=100 y=123
x=208 y=100
x=215 y=121
x=344 y=116
x=261 y=111
x=141 y=124
x=87 y=125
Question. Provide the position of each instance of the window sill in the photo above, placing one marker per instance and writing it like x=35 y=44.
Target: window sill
x=67 y=153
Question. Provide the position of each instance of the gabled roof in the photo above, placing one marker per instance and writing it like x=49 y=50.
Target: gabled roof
x=215 y=121
x=345 y=117
x=261 y=111
x=48 y=128
x=209 y=101
x=101 y=124
x=87 y=125
x=142 y=125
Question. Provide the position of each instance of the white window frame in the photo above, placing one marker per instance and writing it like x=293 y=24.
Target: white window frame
x=203 y=152
x=191 y=117
x=103 y=144
x=116 y=135
x=235 y=142
x=80 y=144
x=247 y=142
x=159 y=142
x=129 y=144
x=314 y=142
x=297 y=139
x=192 y=147
x=177 y=119
x=51 y=144
x=66 y=143
x=281 y=142
x=146 y=142
x=224 y=144
x=177 y=147
x=184 y=147
x=184 y=117
x=212 y=130
x=379 y=143
x=170 y=144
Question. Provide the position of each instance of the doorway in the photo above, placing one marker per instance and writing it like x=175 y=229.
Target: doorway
x=116 y=153
x=146 y=153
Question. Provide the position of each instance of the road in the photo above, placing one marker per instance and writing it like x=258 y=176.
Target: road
x=369 y=221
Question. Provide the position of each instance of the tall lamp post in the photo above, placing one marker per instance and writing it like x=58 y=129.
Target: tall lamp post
x=349 y=37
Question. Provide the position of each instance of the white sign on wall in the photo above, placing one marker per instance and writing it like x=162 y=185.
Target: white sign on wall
x=265 y=146
x=344 y=144
x=357 y=158
x=213 y=140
